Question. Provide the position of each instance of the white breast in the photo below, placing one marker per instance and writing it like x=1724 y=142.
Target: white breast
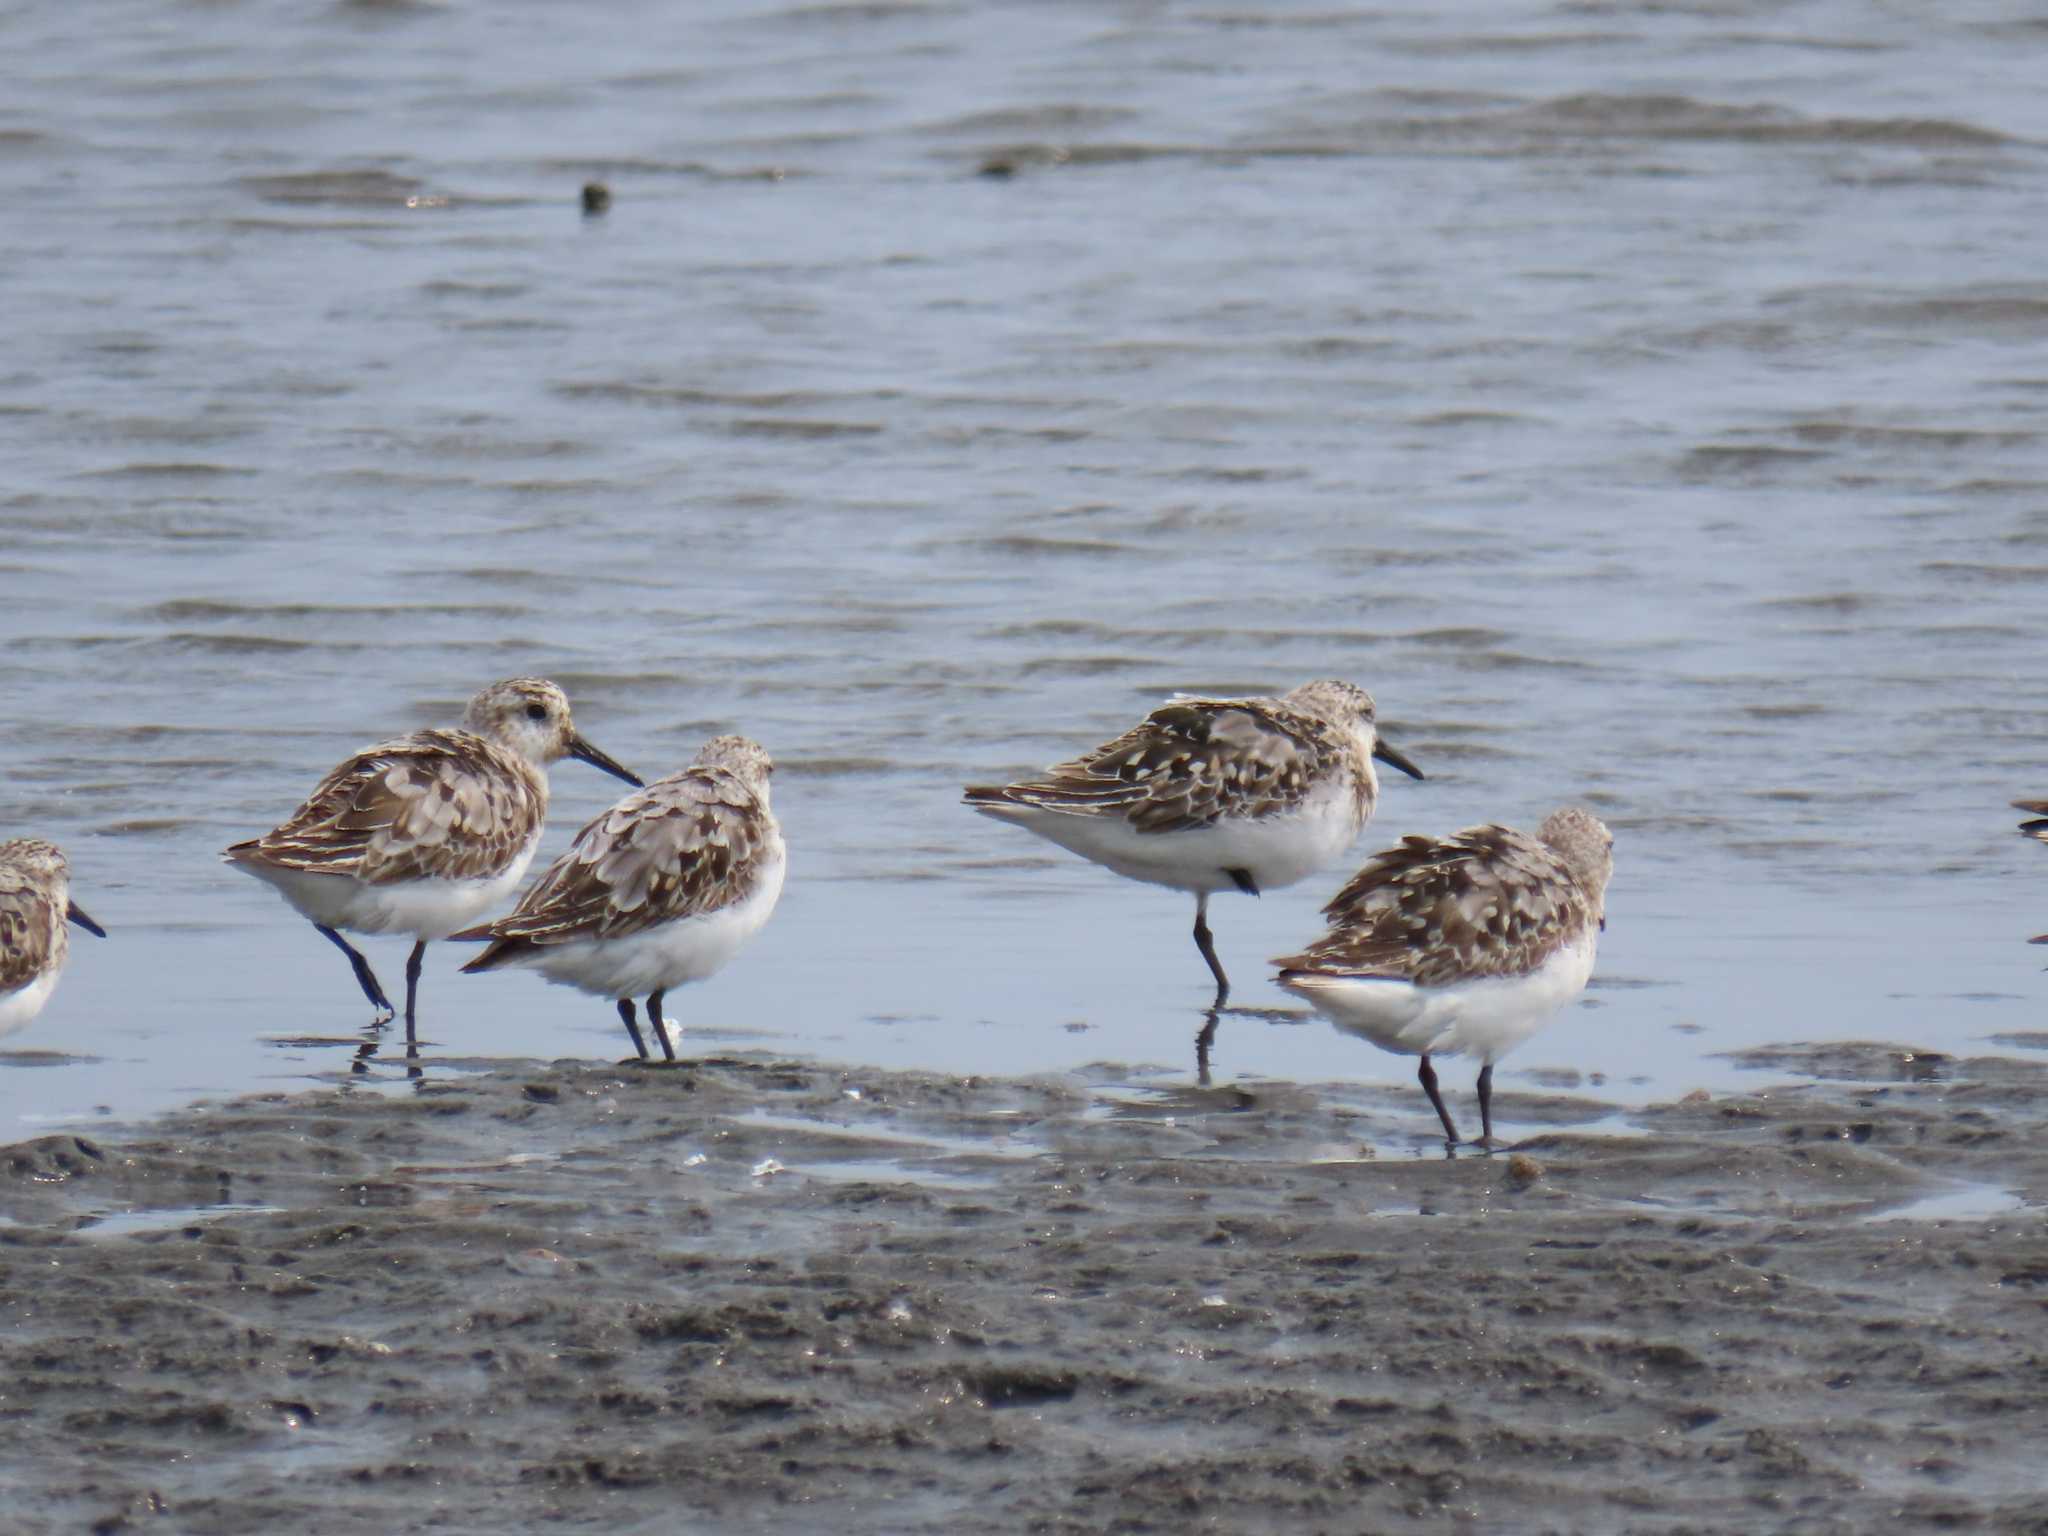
x=1486 y=1017
x=1276 y=850
x=424 y=909
x=668 y=955
x=24 y=1003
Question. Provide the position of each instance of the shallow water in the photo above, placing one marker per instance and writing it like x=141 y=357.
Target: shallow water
x=1645 y=404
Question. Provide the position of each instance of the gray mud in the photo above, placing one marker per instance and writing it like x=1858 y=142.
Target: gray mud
x=755 y=1295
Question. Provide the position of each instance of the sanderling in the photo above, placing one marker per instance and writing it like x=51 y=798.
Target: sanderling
x=1467 y=943
x=661 y=889
x=423 y=834
x=1208 y=795
x=35 y=904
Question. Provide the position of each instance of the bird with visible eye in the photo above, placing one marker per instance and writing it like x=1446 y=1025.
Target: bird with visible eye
x=425 y=833
x=1207 y=795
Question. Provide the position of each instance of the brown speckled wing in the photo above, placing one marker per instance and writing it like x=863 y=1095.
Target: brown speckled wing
x=32 y=932
x=1188 y=764
x=1487 y=901
x=692 y=843
x=2037 y=809
x=437 y=805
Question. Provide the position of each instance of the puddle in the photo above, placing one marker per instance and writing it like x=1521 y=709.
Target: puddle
x=1968 y=1202
x=914 y=1146
x=161 y=1218
x=882 y=1170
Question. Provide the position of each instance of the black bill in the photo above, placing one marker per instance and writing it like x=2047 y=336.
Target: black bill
x=1388 y=755
x=580 y=748
x=76 y=913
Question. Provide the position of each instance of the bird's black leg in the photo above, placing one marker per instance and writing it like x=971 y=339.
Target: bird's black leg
x=656 y=1023
x=1486 y=1105
x=1205 y=941
x=412 y=983
x=632 y=1028
x=1427 y=1077
x=365 y=977
x=1242 y=879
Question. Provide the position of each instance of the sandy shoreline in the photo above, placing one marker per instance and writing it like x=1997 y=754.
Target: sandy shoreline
x=756 y=1295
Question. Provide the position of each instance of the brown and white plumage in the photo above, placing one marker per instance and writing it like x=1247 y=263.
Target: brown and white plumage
x=661 y=889
x=1467 y=943
x=1487 y=901
x=1205 y=795
x=421 y=834
x=36 y=910
x=436 y=805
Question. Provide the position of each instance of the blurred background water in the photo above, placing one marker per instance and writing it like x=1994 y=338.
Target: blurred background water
x=1644 y=401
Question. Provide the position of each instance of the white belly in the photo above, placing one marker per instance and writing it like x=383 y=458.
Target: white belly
x=1275 y=850
x=24 y=1003
x=1486 y=1018
x=423 y=909
x=688 y=949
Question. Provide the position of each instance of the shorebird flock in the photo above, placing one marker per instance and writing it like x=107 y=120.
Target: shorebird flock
x=1459 y=945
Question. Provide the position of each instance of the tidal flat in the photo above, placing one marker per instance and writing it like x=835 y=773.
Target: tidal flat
x=754 y=1294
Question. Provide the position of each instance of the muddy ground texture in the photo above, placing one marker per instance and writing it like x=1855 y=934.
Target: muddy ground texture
x=760 y=1295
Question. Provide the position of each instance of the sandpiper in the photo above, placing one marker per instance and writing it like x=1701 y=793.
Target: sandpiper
x=1467 y=943
x=35 y=906
x=1208 y=795
x=425 y=833
x=661 y=889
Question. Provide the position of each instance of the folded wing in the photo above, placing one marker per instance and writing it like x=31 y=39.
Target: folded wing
x=30 y=926
x=1487 y=901
x=1186 y=765
x=687 y=845
x=437 y=805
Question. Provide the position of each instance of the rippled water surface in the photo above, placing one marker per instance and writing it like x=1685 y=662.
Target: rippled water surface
x=1645 y=402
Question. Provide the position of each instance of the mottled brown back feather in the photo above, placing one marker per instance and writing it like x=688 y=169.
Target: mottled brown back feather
x=1487 y=901
x=686 y=845
x=1191 y=763
x=33 y=937
x=445 y=805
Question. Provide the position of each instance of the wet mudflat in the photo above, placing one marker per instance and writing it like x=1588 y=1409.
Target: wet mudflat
x=749 y=1294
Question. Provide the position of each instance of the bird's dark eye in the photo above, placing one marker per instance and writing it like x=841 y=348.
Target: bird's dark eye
x=536 y=711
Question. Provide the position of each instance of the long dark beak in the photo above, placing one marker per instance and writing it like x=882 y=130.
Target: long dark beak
x=1387 y=754
x=76 y=913
x=578 y=747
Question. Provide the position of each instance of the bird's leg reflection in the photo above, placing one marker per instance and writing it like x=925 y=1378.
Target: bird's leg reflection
x=1210 y=1018
x=367 y=1053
